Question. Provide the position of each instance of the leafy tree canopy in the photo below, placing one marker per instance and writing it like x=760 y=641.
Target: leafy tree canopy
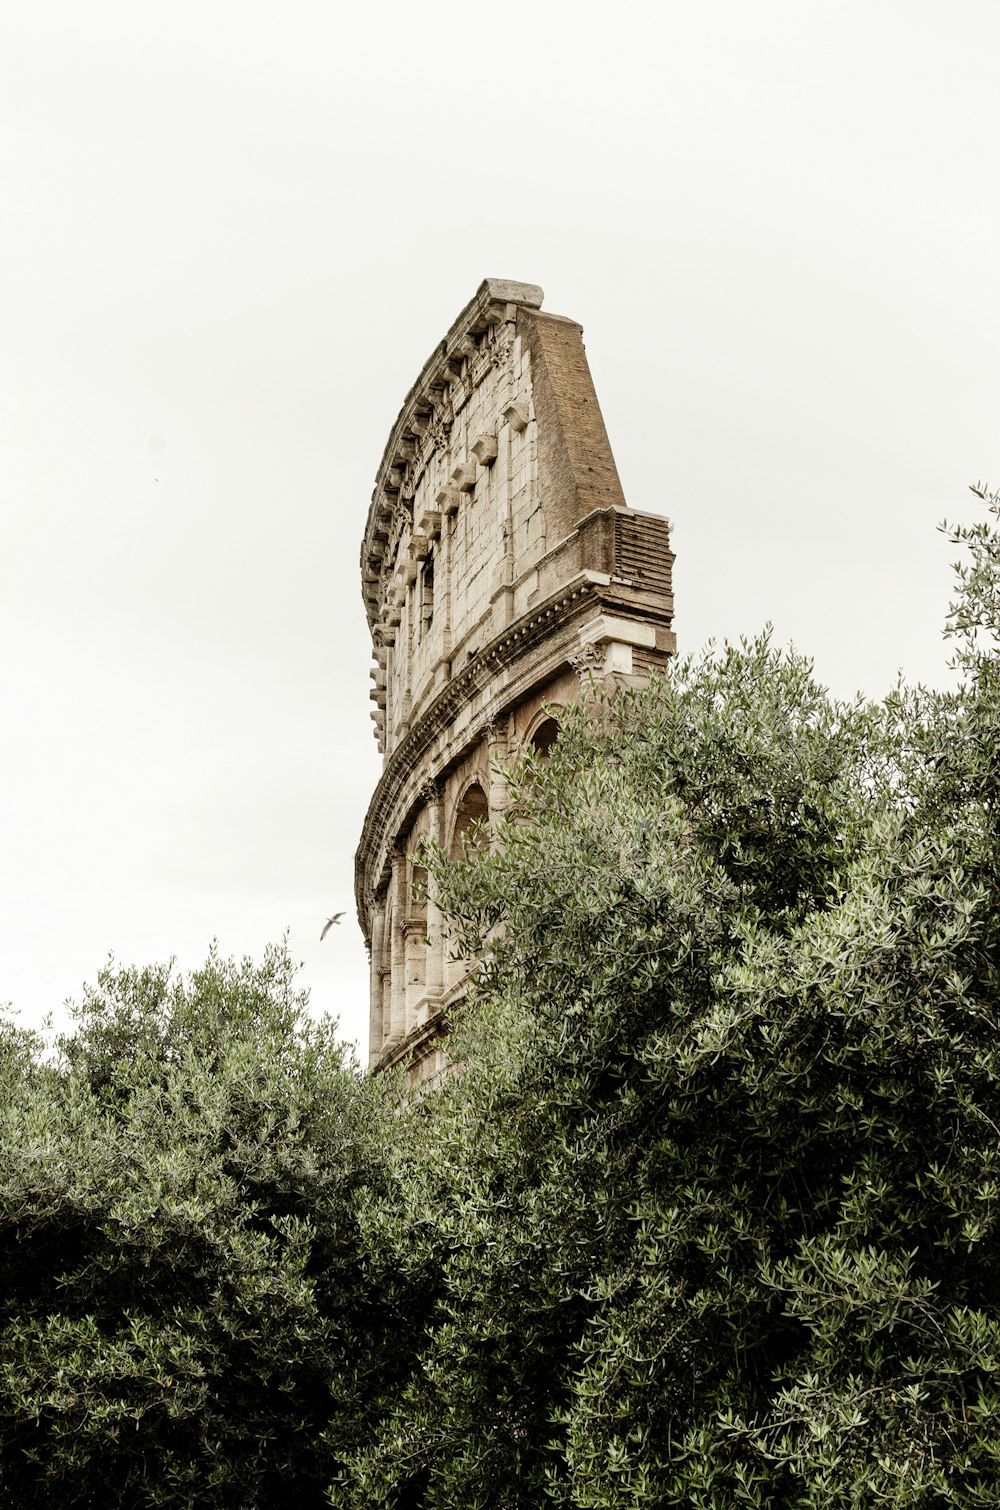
x=714 y=1199
x=707 y=1215
x=182 y=1291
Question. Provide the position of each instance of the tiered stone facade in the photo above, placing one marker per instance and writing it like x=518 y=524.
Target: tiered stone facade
x=500 y=563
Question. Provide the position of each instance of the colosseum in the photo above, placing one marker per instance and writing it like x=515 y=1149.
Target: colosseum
x=500 y=564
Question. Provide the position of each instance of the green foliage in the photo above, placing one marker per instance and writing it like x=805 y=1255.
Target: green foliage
x=708 y=1217
x=974 y=618
x=714 y=1202
x=183 y=1302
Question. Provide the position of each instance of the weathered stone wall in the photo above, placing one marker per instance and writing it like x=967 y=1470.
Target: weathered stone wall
x=499 y=560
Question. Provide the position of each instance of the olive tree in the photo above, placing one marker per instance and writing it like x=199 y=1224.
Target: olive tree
x=713 y=1199
x=185 y=1313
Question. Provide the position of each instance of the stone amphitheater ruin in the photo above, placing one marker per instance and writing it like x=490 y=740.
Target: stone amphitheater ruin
x=500 y=564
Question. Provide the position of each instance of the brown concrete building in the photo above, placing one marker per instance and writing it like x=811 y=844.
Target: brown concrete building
x=500 y=563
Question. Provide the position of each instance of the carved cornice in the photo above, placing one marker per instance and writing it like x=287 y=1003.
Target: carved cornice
x=405 y=770
x=587 y=661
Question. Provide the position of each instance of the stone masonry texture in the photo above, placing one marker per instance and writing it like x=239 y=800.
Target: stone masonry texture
x=500 y=563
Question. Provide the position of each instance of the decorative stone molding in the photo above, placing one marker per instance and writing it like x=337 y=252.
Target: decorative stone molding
x=516 y=415
x=629 y=631
x=448 y=500
x=554 y=624
x=464 y=477
x=484 y=449
x=587 y=661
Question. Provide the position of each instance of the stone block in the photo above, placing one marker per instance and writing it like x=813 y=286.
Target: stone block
x=607 y=627
x=516 y=415
x=448 y=500
x=484 y=449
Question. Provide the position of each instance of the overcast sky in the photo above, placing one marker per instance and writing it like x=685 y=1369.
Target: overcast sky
x=230 y=235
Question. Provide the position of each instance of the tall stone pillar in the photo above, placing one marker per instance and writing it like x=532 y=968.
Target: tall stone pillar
x=435 y=946
x=444 y=591
x=376 y=1026
x=497 y=746
x=397 y=1024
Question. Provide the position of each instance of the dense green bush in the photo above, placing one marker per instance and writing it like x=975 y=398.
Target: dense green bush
x=707 y=1217
x=183 y=1301
x=714 y=1203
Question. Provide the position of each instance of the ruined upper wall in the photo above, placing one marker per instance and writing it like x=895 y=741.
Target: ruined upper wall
x=497 y=456
x=502 y=573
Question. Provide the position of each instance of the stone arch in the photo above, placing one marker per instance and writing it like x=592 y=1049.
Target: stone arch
x=543 y=736
x=471 y=817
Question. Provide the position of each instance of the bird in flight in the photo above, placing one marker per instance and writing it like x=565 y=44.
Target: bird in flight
x=329 y=924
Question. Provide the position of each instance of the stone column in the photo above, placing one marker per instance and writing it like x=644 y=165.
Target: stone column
x=397 y=945
x=588 y=663
x=434 y=979
x=510 y=564
x=444 y=569
x=404 y=647
x=390 y=671
x=497 y=749
x=376 y=1026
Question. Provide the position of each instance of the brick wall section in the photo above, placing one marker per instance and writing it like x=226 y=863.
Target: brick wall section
x=642 y=551
x=576 y=468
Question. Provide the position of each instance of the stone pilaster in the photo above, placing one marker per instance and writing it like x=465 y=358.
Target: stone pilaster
x=397 y=1023
x=497 y=735
x=376 y=1025
x=435 y=946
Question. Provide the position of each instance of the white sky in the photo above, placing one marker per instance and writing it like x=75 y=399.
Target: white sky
x=230 y=235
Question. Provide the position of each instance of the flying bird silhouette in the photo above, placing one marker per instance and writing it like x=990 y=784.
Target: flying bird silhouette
x=329 y=924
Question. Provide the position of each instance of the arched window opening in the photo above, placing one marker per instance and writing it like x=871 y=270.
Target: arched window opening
x=418 y=893
x=472 y=819
x=544 y=738
x=427 y=594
